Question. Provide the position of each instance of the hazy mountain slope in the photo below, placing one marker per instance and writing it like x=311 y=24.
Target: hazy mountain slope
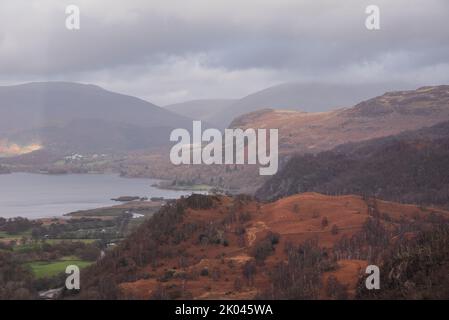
x=46 y=112
x=411 y=167
x=302 y=97
x=205 y=110
x=301 y=133
x=94 y=135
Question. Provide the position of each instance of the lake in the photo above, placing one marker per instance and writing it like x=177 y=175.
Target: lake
x=41 y=196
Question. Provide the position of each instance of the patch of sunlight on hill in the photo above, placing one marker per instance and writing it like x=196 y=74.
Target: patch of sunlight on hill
x=8 y=149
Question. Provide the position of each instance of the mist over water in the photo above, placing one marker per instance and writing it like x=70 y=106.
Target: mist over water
x=40 y=196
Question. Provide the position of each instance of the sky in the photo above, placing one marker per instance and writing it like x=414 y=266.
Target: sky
x=169 y=51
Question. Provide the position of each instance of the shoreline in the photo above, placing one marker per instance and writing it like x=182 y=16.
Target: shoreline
x=17 y=203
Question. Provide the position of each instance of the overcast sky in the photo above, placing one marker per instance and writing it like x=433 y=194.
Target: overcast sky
x=168 y=51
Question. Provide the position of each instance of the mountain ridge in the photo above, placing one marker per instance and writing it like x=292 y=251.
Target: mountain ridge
x=33 y=110
x=307 y=97
x=388 y=114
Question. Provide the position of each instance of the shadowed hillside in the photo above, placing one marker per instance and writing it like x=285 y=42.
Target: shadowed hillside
x=74 y=117
x=409 y=167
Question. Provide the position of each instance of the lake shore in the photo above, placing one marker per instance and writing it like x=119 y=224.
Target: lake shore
x=33 y=195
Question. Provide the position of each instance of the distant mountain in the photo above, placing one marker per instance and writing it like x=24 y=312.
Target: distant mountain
x=205 y=110
x=381 y=116
x=410 y=167
x=302 y=132
x=312 y=97
x=80 y=117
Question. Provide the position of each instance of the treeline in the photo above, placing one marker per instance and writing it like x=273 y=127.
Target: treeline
x=413 y=256
x=411 y=167
x=43 y=251
x=300 y=277
x=17 y=225
x=414 y=268
x=84 y=228
x=412 y=253
x=152 y=242
x=16 y=279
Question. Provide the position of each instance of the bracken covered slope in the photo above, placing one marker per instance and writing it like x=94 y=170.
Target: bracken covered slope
x=307 y=246
x=389 y=114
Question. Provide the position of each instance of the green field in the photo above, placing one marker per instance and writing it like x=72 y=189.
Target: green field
x=45 y=269
x=6 y=236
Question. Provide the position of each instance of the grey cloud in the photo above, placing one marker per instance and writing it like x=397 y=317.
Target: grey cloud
x=168 y=51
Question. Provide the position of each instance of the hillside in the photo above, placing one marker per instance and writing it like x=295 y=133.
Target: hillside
x=302 y=133
x=307 y=246
x=299 y=133
x=407 y=167
x=305 y=97
x=381 y=116
x=62 y=116
x=205 y=110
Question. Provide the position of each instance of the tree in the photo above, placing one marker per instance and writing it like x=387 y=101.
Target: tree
x=336 y=290
x=335 y=230
x=324 y=222
x=249 y=270
x=238 y=284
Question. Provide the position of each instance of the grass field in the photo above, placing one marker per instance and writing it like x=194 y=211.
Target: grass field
x=45 y=269
x=6 y=236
